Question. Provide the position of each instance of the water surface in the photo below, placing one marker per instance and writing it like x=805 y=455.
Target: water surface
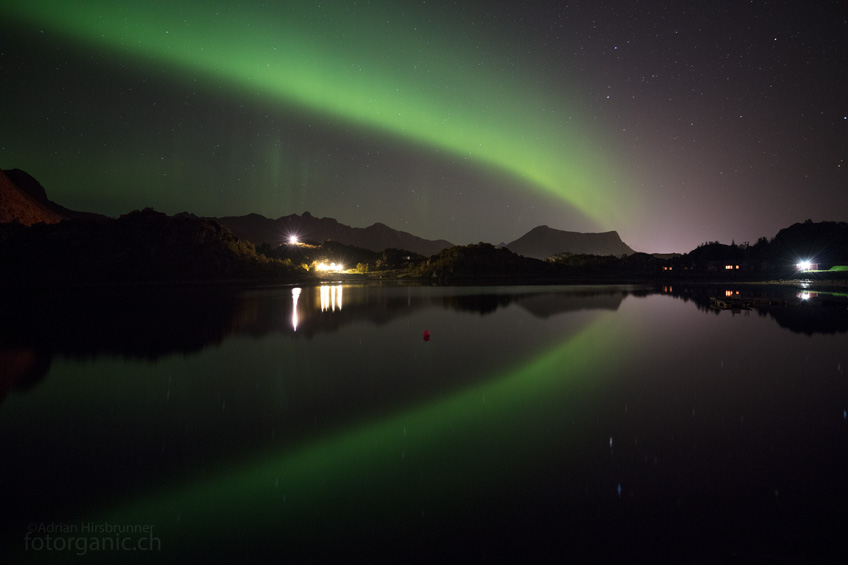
x=317 y=423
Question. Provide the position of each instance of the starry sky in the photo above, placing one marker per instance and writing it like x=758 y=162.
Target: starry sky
x=673 y=123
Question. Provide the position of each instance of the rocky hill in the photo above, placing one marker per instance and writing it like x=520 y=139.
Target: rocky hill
x=542 y=242
x=24 y=200
x=31 y=186
x=23 y=206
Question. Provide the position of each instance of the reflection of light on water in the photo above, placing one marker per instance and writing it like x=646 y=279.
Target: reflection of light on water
x=331 y=297
x=330 y=300
x=295 y=296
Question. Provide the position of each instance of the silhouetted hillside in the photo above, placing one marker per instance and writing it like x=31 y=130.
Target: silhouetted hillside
x=542 y=242
x=825 y=243
x=139 y=246
x=481 y=260
x=377 y=237
x=633 y=264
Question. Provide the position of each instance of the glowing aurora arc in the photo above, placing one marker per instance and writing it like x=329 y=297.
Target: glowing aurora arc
x=427 y=84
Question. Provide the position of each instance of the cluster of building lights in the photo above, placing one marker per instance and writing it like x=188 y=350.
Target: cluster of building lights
x=332 y=267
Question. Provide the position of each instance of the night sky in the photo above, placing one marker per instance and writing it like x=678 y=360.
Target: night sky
x=673 y=123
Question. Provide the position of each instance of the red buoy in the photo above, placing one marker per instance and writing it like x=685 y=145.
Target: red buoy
x=426 y=335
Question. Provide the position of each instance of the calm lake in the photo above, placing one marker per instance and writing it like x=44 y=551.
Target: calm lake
x=321 y=424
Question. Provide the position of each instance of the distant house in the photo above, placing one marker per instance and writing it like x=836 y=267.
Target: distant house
x=729 y=267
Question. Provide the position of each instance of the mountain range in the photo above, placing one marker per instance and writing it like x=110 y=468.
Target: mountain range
x=306 y=227
x=24 y=200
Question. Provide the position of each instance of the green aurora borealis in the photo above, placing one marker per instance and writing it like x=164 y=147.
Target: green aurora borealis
x=466 y=442
x=369 y=72
x=462 y=122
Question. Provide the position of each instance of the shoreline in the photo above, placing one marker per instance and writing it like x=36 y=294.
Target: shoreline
x=816 y=283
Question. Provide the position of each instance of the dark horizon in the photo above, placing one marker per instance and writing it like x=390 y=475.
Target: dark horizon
x=260 y=229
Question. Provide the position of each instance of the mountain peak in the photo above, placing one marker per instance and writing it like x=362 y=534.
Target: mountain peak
x=543 y=241
x=27 y=183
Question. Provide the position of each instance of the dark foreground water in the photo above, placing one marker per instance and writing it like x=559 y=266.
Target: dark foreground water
x=318 y=424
